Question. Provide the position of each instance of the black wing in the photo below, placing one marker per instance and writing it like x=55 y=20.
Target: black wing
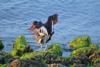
x=52 y=20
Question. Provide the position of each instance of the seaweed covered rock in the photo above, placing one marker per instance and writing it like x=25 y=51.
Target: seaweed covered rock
x=20 y=46
x=96 y=65
x=1 y=45
x=97 y=61
x=82 y=59
x=20 y=43
x=55 y=49
x=4 y=57
x=94 y=46
x=3 y=65
x=38 y=56
x=83 y=51
x=33 y=54
x=95 y=57
x=81 y=41
x=45 y=57
x=49 y=56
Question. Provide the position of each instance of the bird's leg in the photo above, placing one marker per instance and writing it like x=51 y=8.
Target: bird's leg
x=45 y=47
x=41 y=46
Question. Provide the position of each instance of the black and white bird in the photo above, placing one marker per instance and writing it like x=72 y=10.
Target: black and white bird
x=44 y=31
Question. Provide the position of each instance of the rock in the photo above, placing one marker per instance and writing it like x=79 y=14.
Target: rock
x=95 y=57
x=2 y=59
x=16 y=63
x=32 y=54
x=55 y=49
x=20 y=46
x=38 y=56
x=96 y=65
x=20 y=43
x=81 y=41
x=27 y=49
x=96 y=54
x=93 y=46
x=75 y=60
x=79 y=65
x=82 y=59
x=83 y=51
x=1 y=45
x=3 y=65
x=26 y=63
x=56 y=65
x=42 y=57
x=97 y=61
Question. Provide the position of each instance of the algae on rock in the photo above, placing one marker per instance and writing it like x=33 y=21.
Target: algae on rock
x=55 y=49
x=19 y=45
x=81 y=41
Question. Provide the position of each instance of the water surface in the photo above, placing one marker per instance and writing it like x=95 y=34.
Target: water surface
x=76 y=17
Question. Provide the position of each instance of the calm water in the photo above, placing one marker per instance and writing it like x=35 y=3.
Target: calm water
x=76 y=17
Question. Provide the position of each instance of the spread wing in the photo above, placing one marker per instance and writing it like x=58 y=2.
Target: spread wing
x=52 y=20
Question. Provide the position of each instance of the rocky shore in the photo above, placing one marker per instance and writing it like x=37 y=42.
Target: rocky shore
x=84 y=53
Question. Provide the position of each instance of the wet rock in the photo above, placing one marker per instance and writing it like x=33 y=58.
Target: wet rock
x=20 y=43
x=20 y=46
x=83 y=51
x=79 y=65
x=33 y=55
x=16 y=63
x=97 y=61
x=56 y=65
x=75 y=60
x=2 y=59
x=96 y=54
x=3 y=65
x=58 y=60
x=1 y=45
x=26 y=63
x=82 y=59
x=81 y=41
x=96 y=65
x=27 y=49
x=95 y=57
x=55 y=49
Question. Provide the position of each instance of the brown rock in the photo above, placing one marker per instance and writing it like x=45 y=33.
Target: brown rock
x=97 y=65
x=26 y=63
x=56 y=65
x=16 y=63
x=79 y=65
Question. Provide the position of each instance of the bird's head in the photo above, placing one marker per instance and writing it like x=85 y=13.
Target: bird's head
x=34 y=25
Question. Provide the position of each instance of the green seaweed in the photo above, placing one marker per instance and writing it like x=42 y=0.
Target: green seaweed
x=83 y=51
x=55 y=49
x=19 y=45
x=81 y=41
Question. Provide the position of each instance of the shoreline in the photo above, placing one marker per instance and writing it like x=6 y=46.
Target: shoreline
x=82 y=53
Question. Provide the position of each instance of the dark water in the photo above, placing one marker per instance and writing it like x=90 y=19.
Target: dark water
x=76 y=17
